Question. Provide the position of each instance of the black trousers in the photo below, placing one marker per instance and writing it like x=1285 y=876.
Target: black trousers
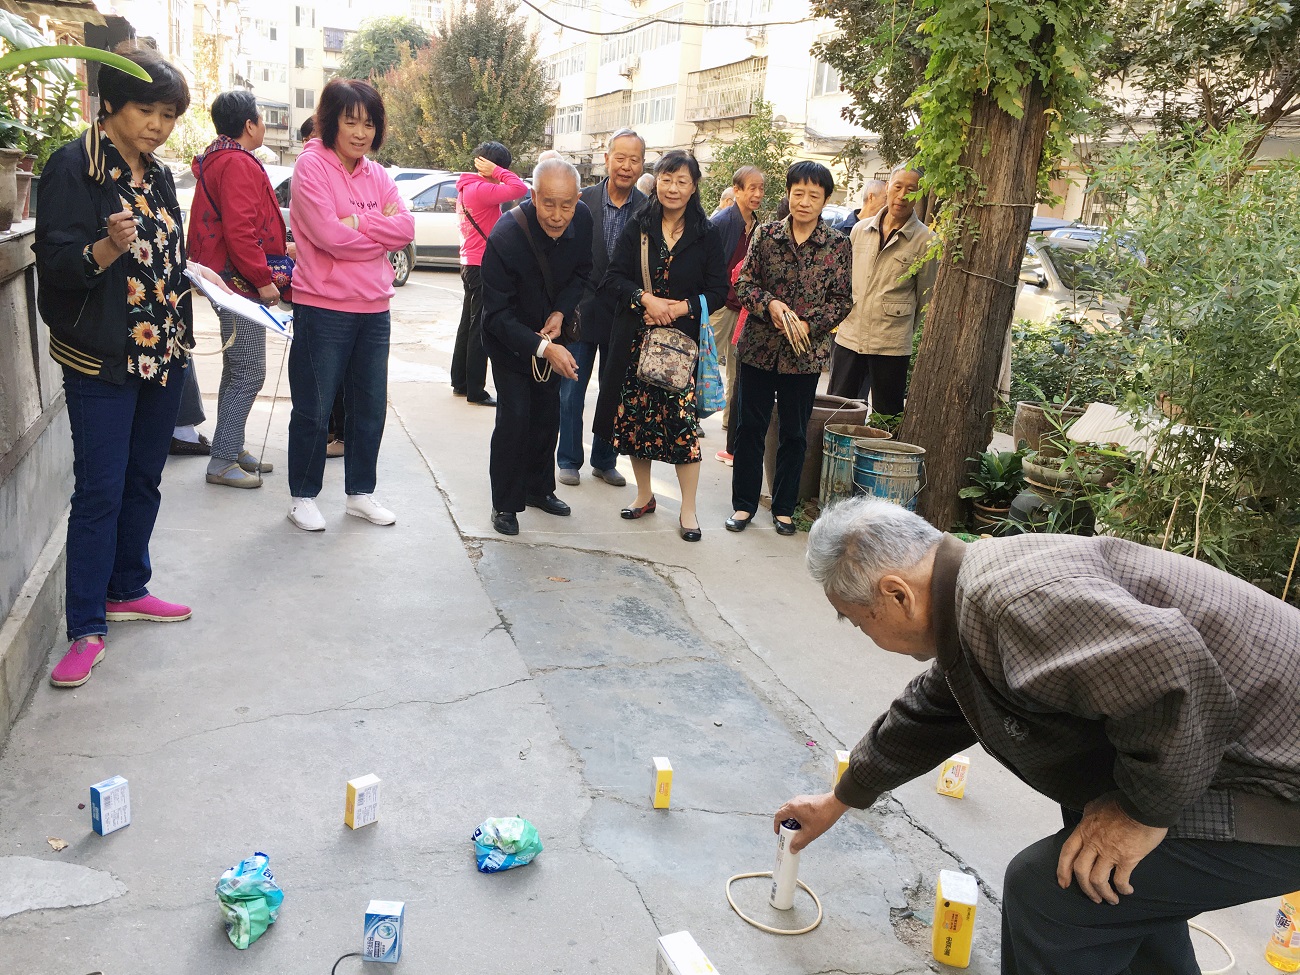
x=522 y=464
x=1050 y=931
x=794 y=396
x=855 y=375
x=469 y=359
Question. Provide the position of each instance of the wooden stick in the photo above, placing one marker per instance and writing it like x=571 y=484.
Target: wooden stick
x=1169 y=525
x=1287 y=587
x=1205 y=482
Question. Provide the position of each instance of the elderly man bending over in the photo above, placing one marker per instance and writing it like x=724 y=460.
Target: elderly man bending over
x=1154 y=697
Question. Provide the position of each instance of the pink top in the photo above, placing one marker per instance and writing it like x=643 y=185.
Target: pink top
x=337 y=267
x=483 y=198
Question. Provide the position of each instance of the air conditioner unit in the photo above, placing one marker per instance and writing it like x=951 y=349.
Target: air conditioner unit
x=756 y=33
x=630 y=66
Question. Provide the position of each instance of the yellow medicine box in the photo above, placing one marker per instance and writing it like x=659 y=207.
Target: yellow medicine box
x=841 y=766
x=952 y=777
x=362 y=807
x=954 y=918
x=661 y=786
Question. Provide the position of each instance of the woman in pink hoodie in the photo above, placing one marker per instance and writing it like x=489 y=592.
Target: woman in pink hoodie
x=346 y=216
x=480 y=195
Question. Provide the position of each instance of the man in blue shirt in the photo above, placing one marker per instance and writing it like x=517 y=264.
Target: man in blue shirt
x=612 y=202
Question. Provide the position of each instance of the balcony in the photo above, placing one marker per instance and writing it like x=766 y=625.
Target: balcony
x=607 y=113
x=728 y=92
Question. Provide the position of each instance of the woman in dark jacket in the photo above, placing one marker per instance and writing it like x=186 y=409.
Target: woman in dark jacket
x=688 y=276
x=110 y=256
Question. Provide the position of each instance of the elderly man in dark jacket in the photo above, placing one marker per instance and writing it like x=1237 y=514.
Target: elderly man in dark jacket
x=1156 y=698
x=611 y=202
x=535 y=272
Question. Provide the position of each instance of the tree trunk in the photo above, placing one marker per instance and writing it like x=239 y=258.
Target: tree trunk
x=954 y=383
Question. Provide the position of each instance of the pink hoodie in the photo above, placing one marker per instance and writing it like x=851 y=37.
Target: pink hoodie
x=483 y=199
x=337 y=267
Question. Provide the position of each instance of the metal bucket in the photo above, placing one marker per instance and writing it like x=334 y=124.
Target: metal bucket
x=837 y=458
x=890 y=470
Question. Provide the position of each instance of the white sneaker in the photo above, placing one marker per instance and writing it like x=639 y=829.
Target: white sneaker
x=304 y=513
x=365 y=506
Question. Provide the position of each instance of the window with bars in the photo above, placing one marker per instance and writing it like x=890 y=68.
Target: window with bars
x=645 y=38
x=654 y=105
x=606 y=113
x=729 y=91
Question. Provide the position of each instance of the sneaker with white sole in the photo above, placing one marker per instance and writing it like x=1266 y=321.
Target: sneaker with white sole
x=365 y=506
x=304 y=513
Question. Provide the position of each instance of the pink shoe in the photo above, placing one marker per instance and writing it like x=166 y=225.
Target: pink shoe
x=146 y=608
x=75 y=667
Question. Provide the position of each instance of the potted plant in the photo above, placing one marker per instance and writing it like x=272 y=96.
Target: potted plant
x=23 y=98
x=996 y=481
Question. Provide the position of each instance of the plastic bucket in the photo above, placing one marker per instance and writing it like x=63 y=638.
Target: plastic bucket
x=889 y=470
x=838 y=440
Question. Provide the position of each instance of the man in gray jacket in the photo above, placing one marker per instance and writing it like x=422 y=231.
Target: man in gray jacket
x=1156 y=698
x=873 y=345
x=612 y=202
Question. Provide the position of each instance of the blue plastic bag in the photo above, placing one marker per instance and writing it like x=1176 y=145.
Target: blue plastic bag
x=710 y=393
x=500 y=844
x=250 y=899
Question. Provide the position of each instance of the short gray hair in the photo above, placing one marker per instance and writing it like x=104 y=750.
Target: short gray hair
x=876 y=186
x=856 y=543
x=554 y=165
x=625 y=133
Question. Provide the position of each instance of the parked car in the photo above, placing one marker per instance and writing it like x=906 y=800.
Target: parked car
x=432 y=201
x=1062 y=276
x=833 y=213
x=401 y=174
x=403 y=261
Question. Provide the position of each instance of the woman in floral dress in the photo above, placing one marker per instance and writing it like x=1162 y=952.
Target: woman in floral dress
x=110 y=253
x=688 y=274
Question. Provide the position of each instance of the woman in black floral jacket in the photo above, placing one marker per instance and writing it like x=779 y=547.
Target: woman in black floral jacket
x=797 y=278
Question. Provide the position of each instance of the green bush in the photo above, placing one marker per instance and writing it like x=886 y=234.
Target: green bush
x=1219 y=293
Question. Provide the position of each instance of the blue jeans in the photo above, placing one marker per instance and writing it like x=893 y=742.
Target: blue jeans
x=573 y=399
x=335 y=350
x=120 y=438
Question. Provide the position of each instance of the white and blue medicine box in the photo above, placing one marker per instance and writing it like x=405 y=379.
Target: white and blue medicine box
x=110 y=805
x=383 y=941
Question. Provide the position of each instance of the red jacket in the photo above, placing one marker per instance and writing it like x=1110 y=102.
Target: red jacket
x=235 y=220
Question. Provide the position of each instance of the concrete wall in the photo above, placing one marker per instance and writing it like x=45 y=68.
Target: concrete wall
x=35 y=480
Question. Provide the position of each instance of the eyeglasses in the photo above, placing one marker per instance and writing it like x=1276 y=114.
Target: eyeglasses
x=681 y=184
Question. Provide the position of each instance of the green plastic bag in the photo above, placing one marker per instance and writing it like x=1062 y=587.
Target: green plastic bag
x=500 y=844
x=250 y=899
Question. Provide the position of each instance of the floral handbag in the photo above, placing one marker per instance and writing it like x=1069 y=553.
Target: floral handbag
x=667 y=354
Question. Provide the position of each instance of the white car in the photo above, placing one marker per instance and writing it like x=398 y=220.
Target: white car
x=432 y=202
x=403 y=175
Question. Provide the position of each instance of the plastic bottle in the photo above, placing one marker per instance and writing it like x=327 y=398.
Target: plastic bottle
x=785 y=875
x=1283 y=951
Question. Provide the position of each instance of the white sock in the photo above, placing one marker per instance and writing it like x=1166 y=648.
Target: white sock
x=187 y=433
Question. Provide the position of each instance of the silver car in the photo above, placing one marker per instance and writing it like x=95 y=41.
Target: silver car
x=1066 y=277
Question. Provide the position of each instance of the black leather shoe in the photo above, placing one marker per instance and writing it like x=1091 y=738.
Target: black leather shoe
x=505 y=522
x=734 y=524
x=550 y=504
x=784 y=527
x=186 y=448
x=485 y=401
x=649 y=508
x=688 y=534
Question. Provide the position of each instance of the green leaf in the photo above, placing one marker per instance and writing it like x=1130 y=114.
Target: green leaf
x=57 y=52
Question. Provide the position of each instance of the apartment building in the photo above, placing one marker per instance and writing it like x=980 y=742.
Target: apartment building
x=685 y=74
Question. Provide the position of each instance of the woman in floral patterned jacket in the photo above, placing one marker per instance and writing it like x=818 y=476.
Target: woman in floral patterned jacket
x=797 y=284
x=110 y=256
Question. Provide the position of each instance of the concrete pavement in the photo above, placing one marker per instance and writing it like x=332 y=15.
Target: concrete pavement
x=477 y=676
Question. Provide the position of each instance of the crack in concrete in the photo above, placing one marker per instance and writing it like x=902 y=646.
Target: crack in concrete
x=620 y=665
x=640 y=806
x=920 y=827
x=346 y=706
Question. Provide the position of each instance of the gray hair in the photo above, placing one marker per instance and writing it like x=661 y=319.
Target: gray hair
x=625 y=133
x=555 y=165
x=645 y=183
x=876 y=186
x=856 y=543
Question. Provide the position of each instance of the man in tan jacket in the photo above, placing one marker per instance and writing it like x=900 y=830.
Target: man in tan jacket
x=874 y=344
